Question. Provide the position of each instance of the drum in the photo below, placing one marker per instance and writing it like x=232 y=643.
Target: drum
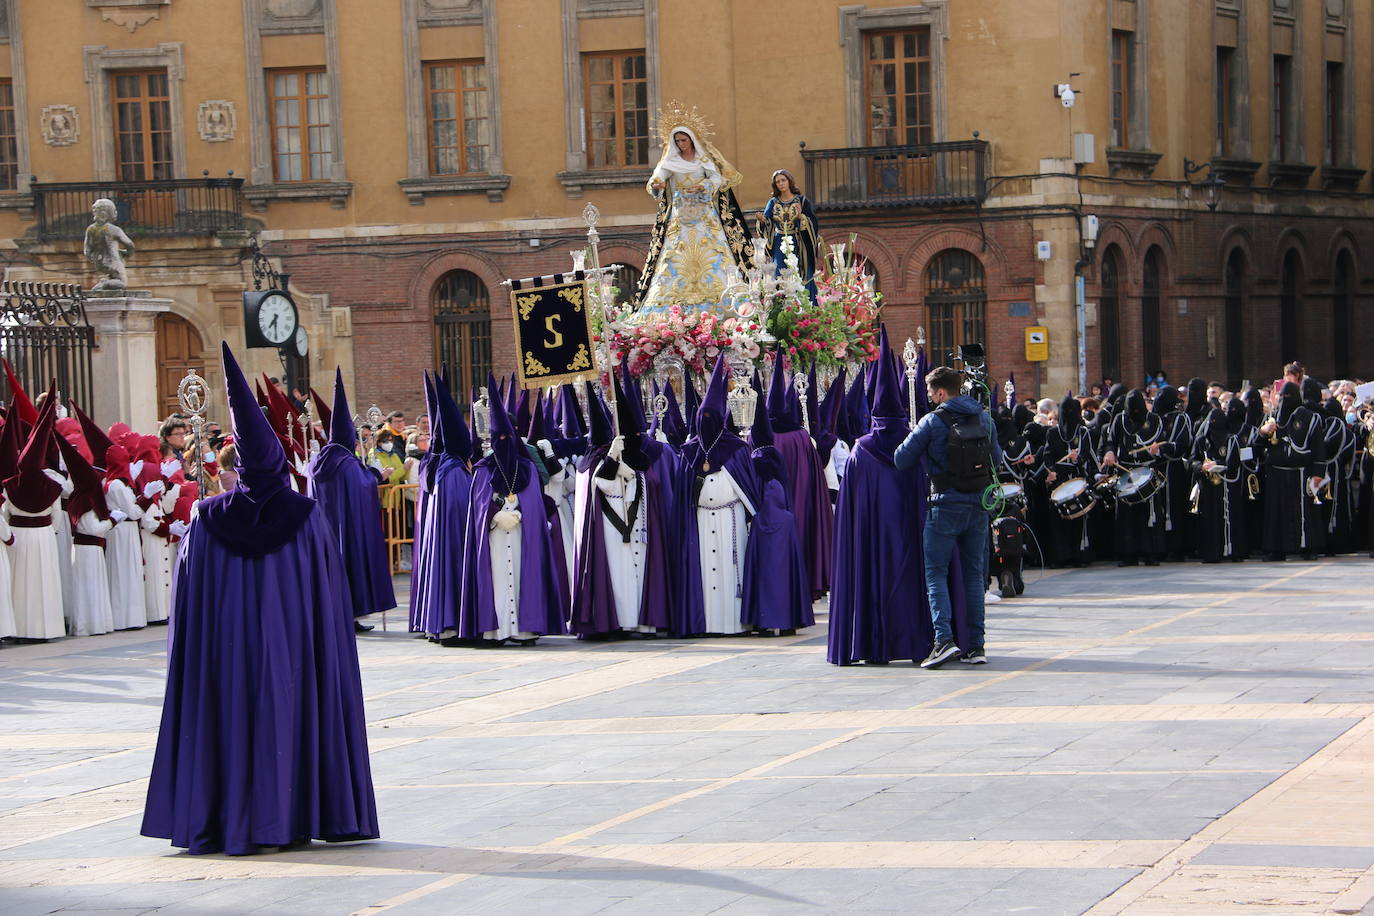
x=1138 y=485
x=1013 y=494
x=1073 y=498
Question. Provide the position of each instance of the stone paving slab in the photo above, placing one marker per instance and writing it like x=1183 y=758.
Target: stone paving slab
x=1189 y=739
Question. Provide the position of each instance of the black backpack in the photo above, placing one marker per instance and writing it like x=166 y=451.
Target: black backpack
x=1008 y=538
x=968 y=453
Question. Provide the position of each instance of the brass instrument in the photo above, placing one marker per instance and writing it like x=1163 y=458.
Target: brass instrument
x=1252 y=487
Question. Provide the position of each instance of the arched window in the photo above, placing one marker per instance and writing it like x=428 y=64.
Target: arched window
x=1342 y=308
x=1289 y=301
x=1235 y=318
x=462 y=331
x=956 y=300
x=626 y=282
x=1109 y=314
x=1150 y=312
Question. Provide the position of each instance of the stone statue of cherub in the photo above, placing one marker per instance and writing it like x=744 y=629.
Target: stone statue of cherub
x=103 y=241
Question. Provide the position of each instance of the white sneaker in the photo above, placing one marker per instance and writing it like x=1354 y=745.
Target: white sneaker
x=991 y=597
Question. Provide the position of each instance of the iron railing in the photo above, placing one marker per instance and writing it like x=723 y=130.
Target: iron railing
x=44 y=334
x=180 y=206
x=925 y=175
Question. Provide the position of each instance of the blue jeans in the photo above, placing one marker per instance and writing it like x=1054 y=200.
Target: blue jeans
x=965 y=525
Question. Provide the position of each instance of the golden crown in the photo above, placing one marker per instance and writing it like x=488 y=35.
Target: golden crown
x=676 y=114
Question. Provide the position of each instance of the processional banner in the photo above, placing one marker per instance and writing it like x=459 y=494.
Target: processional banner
x=553 y=329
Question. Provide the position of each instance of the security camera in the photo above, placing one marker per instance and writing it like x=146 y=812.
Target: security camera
x=1065 y=93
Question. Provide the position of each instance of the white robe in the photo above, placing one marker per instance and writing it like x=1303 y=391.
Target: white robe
x=157 y=558
x=37 y=586
x=721 y=541
x=505 y=583
x=626 y=562
x=91 y=581
x=835 y=467
x=8 y=626
x=557 y=490
x=124 y=558
x=62 y=528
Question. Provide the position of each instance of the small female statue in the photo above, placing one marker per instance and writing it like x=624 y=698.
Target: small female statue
x=788 y=214
x=700 y=235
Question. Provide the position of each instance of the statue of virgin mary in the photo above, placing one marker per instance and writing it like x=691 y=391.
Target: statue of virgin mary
x=700 y=234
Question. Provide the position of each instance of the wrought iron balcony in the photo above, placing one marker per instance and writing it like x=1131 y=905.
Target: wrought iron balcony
x=925 y=175
x=173 y=207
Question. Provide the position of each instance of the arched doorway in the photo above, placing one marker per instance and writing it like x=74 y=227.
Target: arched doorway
x=1342 y=308
x=1289 y=285
x=178 y=348
x=956 y=303
x=1109 y=314
x=462 y=331
x=1235 y=318
x=1151 y=347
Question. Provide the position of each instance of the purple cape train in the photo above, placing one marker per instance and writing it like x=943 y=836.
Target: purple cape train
x=442 y=541
x=263 y=740
x=347 y=492
x=809 y=494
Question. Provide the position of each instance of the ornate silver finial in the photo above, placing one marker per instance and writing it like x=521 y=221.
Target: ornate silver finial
x=920 y=335
x=801 y=383
x=481 y=417
x=374 y=416
x=193 y=396
x=742 y=400
x=591 y=216
x=909 y=357
x=1009 y=388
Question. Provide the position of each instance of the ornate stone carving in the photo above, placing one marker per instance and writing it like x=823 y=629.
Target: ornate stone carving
x=128 y=14
x=449 y=12
x=61 y=125
x=216 y=120
x=292 y=16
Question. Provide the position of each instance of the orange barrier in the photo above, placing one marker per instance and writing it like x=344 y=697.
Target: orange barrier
x=398 y=513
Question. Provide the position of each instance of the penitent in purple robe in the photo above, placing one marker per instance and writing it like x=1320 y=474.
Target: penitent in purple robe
x=508 y=470
x=809 y=494
x=263 y=740
x=347 y=492
x=437 y=582
x=777 y=592
x=878 y=607
x=594 y=608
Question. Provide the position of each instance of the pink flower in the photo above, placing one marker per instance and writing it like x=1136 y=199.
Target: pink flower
x=712 y=352
x=840 y=350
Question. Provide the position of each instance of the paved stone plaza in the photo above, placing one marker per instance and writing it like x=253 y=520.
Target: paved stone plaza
x=1145 y=741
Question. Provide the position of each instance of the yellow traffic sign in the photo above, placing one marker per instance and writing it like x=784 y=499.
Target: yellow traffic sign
x=1037 y=344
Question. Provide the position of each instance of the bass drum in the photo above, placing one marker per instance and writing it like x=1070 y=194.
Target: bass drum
x=1138 y=486
x=1073 y=498
x=1013 y=494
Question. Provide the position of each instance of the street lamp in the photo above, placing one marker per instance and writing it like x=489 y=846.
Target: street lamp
x=1211 y=185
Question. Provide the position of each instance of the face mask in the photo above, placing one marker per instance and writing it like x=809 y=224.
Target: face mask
x=1351 y=417
x=209 y=457
x=386 y=447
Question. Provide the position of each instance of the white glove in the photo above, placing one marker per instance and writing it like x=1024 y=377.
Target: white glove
x=116 y=516
x=135 y=469
x=178 y=528
x=170 y=467
x=617 y=448
x=152 y=488
x=545 y=446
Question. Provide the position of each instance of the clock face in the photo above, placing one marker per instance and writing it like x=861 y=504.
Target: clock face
x=276 y=319
x=302 y=343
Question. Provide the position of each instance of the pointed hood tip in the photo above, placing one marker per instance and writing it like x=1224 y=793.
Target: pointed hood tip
x=341 y=431
x=256 y=442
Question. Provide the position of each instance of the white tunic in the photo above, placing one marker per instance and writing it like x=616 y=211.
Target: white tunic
x=721 y=541
x=92 y=613
x=557 y=490
x=37 y=586
x=505 y=583
x=62 y=528
x=157 y=559
x=7 y=622
x=124 y=559
x=626 y=562
x=839 y=460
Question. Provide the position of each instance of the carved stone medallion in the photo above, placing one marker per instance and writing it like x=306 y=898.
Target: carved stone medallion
x=61 y=125
x=216 y=120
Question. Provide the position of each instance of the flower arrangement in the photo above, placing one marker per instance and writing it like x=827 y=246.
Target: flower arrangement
x=839 y=327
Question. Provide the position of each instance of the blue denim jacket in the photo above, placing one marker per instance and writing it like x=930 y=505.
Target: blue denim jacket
x=929 y=439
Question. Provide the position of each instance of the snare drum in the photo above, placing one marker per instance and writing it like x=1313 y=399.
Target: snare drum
x=1138 y=486
x=1073 y=498
x=1013 y=494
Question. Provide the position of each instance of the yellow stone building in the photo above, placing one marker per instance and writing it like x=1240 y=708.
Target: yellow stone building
x=399 y=159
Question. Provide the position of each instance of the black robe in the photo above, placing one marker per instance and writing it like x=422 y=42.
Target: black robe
x=1138 y=530
x=1220 y=505
x=1293 y=523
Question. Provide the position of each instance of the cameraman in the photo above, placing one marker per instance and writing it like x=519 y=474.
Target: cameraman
x=960 y=446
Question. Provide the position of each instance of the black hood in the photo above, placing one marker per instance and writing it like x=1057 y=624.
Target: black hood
x=1290 y=399
x=1197 y=405
x=1235 y=416
x=1166 y=401
x=1254 y=408
x=1312 y=393
x=1136 y=410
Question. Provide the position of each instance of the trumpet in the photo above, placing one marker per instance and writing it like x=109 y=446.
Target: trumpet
x=1252 y=487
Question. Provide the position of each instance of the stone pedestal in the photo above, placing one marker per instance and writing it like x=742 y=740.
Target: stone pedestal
x=124 y=364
